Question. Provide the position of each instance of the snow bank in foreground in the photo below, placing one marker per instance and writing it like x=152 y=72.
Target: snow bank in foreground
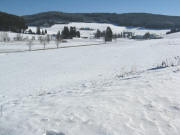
x=146 y=103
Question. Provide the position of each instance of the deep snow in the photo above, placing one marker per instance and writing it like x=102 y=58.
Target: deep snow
x=81 y=90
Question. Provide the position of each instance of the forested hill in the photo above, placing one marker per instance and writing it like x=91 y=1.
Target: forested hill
x=16 y=23
x=10 y=22
x=128 y=19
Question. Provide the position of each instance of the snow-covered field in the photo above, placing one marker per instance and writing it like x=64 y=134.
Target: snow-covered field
x=94 y=90
x=20 y=46
x=94 y=26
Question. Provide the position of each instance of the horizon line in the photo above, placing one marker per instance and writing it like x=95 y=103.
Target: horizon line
x=90 y=13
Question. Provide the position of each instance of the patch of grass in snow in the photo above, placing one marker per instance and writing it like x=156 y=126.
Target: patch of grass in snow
x=171 y=62
x=168 y=63
x=54 y=133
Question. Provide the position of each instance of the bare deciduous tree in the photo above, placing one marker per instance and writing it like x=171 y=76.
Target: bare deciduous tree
x=4 y=37
x=44 y=40
x=29 y=44
x=58 y=39
x=48 y=39
x=18 y=37
x=33 y=38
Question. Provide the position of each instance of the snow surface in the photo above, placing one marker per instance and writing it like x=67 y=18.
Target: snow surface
x=20 y=46
x=15 y=46
x=101 y=26
x=95 y=90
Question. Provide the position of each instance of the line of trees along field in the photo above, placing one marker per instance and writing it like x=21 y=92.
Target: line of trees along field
x=12 y=23
x=67 y=33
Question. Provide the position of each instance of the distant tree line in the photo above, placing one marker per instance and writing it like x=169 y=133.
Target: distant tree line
x=12 y=23
x=108 y=32
x=70 y=33
x=38 y=31
x=173 y=30
x=128 y=19
x=108 y=35
x=66 y=34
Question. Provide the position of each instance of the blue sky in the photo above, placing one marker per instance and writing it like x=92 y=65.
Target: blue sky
x=22 y=7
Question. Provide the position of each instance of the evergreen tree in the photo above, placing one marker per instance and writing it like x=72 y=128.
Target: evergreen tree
x=72 y=31
x=146 y=35
x=103 y=34
x=78 y=34
x=108 y=35
x=30 y=31
x=115 y=36
x=66 y=33
x=45 y=31
x=58 y=36
x=38 y=31
x=98 y=34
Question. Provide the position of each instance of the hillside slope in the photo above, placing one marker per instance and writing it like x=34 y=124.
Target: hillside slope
x=129 y=19
x=9 y=22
